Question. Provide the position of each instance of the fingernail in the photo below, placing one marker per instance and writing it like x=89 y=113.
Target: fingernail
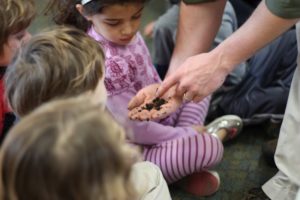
x=156 y=92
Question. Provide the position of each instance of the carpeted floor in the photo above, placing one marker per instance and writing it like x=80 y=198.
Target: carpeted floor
x=242 y=168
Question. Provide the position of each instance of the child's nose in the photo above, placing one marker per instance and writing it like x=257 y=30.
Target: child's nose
x=26 y=37
x=127 y=30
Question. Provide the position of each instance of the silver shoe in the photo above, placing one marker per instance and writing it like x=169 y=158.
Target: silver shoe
x=232 y=123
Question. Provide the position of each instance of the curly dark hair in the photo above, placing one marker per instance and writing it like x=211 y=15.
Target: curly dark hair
x=65 y=12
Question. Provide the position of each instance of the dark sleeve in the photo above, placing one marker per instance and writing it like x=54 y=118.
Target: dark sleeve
x=284 y=8
x=9 y=119
x=196 y=1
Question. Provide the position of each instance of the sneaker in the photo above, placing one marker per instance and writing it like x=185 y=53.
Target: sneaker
x=256 y=194
x=232 y=123
x=204 y=183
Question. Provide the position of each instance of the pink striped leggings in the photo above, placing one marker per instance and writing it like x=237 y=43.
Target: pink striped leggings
x=186 y=155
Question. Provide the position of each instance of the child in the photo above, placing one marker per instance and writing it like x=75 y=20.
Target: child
x=66 y=149
x=62 y=63
x=173 y=144
x=15 y=17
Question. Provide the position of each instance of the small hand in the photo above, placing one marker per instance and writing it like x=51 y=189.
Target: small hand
x=199 y=128
x=137 y=105
x=148 y=30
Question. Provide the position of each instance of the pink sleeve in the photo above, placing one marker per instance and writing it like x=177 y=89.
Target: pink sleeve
x=150 y=133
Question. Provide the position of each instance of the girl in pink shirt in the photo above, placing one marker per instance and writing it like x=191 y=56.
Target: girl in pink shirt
x=174 y=144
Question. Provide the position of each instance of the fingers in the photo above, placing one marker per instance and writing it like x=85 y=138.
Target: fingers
x=192 y=96
x=166 y=109
x=167 y=84
x=142 y=114
x=133 y=113
x=139 y=114
x=197 y=99
x=137 y=101
x=148 y=30
x=187 y=97
x=200 y=129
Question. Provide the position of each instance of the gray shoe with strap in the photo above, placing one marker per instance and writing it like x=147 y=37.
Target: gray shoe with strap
x=233 y=124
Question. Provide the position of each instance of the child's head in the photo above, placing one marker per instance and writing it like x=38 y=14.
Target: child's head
x=63 y=62
x=117 y=20
x=15 y=17
x=66 y=149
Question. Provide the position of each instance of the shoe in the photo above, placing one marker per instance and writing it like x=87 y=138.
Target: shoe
x=272 y=128
x=268 y=150
x=232 y=123
x=256 y=194
x=204 y=183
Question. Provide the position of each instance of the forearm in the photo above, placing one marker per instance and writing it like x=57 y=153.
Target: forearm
x=261 y=28
x=198 y=25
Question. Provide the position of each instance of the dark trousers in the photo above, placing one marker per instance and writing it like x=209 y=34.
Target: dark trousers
x=265 y=87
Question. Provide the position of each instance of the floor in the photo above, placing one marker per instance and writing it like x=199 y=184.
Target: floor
x=243 y=166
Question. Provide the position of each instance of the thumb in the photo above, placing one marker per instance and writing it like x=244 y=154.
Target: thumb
x=136 y=101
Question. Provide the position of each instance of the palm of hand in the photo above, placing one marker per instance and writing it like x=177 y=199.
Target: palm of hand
x=139 y=104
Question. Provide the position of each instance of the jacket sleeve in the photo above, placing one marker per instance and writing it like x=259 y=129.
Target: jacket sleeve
x=151 y=133
x=284 y=8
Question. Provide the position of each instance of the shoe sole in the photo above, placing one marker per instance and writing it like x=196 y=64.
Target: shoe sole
x=204 y=183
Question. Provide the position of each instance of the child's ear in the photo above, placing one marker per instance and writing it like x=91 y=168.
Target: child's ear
x=79 y=8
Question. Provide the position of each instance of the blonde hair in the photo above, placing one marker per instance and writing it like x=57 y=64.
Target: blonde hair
x=62 y=62
x=66 y=149
x=15 y=16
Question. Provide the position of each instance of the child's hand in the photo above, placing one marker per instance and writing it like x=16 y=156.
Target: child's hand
x=140 y=106
x=199 y=128
x=148 y=30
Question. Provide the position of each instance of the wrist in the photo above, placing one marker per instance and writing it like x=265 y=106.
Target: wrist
x=225 y=62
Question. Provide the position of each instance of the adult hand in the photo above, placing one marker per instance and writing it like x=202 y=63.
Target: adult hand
x=196 y=78
x=146 y=96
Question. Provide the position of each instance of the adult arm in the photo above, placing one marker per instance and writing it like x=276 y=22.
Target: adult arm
x=202 y=74
x=197 y=27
